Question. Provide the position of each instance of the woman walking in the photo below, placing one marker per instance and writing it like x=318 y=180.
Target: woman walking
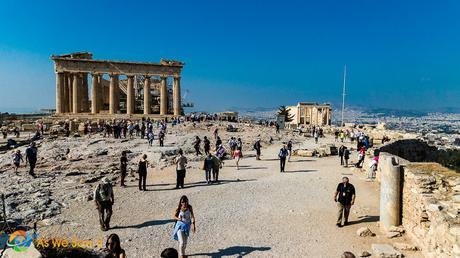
x=184 y=220
x=181 y=163
x=142 y=170
x=237 y=157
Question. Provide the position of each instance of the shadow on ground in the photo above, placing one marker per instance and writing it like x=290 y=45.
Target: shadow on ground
x=303 y=160
x=301 y=171
x=147 y=224
x=364 y=219
x=234 y=251
x=202 y=184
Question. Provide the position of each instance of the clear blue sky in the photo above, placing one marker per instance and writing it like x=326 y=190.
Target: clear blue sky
x=403 y=54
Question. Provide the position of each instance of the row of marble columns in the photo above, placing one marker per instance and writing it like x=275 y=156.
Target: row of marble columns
x=72 y=94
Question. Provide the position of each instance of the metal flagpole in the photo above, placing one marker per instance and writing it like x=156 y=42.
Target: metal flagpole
x=343 y=93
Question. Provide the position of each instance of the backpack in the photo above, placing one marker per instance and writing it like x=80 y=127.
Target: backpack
x=104 y=191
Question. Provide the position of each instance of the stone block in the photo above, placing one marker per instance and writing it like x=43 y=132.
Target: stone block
x=364 y=232
x=385 y=251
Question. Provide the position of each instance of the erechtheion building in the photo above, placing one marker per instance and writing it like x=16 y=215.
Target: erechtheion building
x=305 y=113
x=128 y=87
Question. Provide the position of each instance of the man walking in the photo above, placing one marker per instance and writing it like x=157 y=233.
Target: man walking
x=123 y=168
x=31 y=158
x=207 y=145
x=103 y=196
x=346 y=156
x=345 y=198
x=142 y=171
x=282 y=155
x=341 y=150
x=196 y=145
x=257 y=147
x=181 y=163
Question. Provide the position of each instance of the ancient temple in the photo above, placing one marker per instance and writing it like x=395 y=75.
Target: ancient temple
x=130 y=88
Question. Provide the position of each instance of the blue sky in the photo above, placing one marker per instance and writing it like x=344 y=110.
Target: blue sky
x=401 y=54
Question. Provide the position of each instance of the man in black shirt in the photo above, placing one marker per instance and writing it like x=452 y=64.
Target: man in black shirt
x=31 y=158
x=345 y=198
x=123 y=168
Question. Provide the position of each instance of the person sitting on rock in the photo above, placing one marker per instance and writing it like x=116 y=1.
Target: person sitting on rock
x=104 y=199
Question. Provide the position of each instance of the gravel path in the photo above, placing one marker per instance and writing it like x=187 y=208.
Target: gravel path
x=264 y=214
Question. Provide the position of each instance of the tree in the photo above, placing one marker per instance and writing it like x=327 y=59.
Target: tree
x=284 y=111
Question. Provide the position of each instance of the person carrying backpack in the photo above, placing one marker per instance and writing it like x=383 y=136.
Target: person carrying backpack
x=104 y=199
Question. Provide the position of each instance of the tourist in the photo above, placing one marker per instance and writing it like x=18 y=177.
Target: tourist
x=113 y=246
x=316 y=136
x=104 y=199
x=277 y=126
x=207 y=145
x=218 y=142
x=289 y=148
x=239 y=146
x=345 y=198
x=31 y=158
x=5 y=132
x=336 y=135
x=216 y=133
x=372 y=168
x=342 y=136
x=161 y=138
x=185 y=219
x=341 y=152
x=360 y=158
x=346 y=156
x=142 y=171
x=169 y=253
x=17 y=158
x=181 y=163
x=123 y=168
x=208 y=165
x=237 y=157
x=150 y=138
x=196 y=145
x=143 y=129
x=257 y=146
x=282 y=156
x=232 y=145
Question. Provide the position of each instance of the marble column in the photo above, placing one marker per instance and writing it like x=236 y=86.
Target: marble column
x=101 y=92
x=147 y=96
x=59 y=92
x=130 y=99
x=66 y=93
x=70 y=90
x=94 y=94
x=163 y=96
x=114 y=93
x=176 y=97
x=390 y=192
x=85 y=97
x=76 y=93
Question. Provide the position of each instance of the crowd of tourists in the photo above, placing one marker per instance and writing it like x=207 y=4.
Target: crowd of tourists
x=214 y=156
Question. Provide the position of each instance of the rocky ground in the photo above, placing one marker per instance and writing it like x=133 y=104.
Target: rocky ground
x=255 y=211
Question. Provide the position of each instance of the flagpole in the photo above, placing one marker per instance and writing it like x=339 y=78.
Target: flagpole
x=343 y=92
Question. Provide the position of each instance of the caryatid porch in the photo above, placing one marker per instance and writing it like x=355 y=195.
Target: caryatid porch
x=72 y=96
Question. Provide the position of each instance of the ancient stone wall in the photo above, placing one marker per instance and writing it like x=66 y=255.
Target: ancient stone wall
x=430 y=205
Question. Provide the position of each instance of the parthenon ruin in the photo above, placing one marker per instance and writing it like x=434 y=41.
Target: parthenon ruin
x=144 y=91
